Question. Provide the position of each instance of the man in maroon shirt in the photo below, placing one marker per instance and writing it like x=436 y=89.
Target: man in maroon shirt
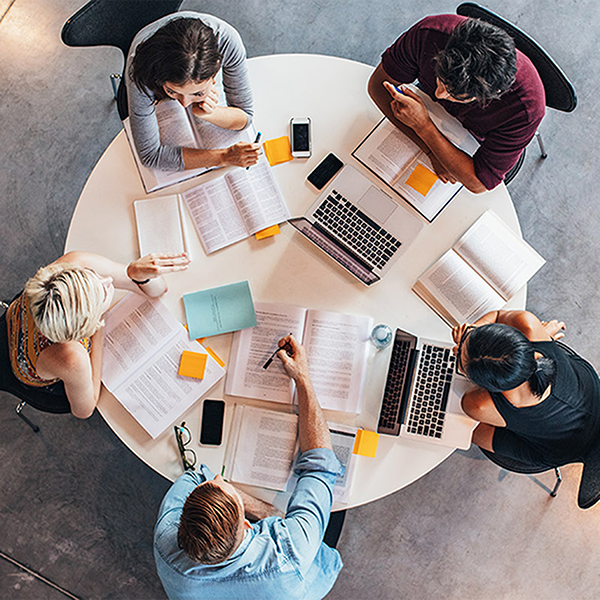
x=474 y=71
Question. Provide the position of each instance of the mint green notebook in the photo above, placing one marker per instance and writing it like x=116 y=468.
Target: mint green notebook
x=219 y=310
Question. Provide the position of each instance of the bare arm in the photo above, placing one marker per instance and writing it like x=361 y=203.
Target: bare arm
x=407 y=109
x=312 y=427
x=152 y=267
x=242 y=154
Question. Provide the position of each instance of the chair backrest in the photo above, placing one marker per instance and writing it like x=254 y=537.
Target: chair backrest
x=515 y=466
x=560 y=93
x=114 y=22
x=50 y=399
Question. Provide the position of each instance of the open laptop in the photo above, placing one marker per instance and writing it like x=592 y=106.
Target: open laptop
x=359 y=226
x=421 y=400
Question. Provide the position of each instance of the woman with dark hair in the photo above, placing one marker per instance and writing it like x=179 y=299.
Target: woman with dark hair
x=178 y=57
x=537 y=402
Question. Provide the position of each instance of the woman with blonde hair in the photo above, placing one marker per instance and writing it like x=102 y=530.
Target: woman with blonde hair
x=56 y=327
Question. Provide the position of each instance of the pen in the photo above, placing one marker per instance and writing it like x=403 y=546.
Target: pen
x=258 y=135
x=399 y=90
x=285 y=347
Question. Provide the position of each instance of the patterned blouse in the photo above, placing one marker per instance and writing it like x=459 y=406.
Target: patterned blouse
x=25 y=343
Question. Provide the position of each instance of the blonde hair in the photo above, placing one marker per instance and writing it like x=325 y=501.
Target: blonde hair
x=66 y=302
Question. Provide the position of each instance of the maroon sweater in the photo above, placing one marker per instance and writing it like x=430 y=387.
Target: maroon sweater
x=504 y=127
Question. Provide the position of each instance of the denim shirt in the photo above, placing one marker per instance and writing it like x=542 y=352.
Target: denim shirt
x=278 y=558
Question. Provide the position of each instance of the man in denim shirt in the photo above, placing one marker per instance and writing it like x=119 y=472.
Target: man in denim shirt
x=204 y=547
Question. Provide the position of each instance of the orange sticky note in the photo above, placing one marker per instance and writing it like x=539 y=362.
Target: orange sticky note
x=278 y=150
x=192 y=364
x=215 y=356
x=268 y=232
x=422 y=180
x=366 y=443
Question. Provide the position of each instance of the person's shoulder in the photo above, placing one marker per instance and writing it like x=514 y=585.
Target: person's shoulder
x=68 y=358
x=440 y=23
x=529 y=87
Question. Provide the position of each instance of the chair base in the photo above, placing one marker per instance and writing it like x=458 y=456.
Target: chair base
x=19 y=412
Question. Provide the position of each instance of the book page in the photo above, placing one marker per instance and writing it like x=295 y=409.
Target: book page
x=215 y=215
x=504 y=260
x=159 y=225
x=155 y=179
x=257 y=196
x=207 y=135
x=428 y=198
x=342 y=440
x=135 y=328
x=387 y=151
x=155 y=395
x=174 y=125
x=265 y=448
x=337 y=346
x=462 y=292
x=252 y=347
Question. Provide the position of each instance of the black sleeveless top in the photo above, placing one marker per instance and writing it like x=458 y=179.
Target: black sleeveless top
x=561 y=428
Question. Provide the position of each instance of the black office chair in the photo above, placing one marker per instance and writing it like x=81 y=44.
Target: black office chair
x=560 y=93
x=515 y=466
x=114 y=23
x=50 y=399
x=589 y=486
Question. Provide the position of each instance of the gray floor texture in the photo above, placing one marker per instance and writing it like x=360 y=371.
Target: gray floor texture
x=77 y=507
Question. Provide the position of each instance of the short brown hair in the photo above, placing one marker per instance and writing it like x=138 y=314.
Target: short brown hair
x=209 y=524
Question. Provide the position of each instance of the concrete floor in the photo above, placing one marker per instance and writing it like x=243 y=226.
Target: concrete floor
x=77 y=507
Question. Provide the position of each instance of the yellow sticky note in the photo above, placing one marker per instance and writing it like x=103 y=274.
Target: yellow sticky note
x=215 y=356
x=268 y=232
x=192 y=364
x=422 y=180
x=278 y=150
x=366 y=443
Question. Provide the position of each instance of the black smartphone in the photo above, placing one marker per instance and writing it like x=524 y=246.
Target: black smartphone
x=211 y=429
x=324 y=172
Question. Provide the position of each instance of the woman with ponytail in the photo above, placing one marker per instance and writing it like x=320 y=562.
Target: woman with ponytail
x=536 y=401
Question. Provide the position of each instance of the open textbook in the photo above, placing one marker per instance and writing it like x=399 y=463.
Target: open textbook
x=179 y=127
x=337 y=347
x=142 y=349
x=404 y=167
x=486 y=267
x=236 y=205
x=263 y=448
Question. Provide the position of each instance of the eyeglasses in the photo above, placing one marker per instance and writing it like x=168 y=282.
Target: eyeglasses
x=184 y=437
x=461 y=343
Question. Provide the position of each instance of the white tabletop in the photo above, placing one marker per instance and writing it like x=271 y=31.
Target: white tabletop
x=286 y=268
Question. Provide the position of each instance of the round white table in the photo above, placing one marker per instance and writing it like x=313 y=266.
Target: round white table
x=287 y=268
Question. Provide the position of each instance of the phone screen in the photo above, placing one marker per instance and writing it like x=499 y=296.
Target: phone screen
x=211 y=430
x=301 y=137
x=325 y=170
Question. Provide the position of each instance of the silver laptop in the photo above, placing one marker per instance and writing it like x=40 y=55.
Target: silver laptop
x=421 y=400
x=359 y=226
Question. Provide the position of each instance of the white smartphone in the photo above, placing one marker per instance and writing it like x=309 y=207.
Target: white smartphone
x=301 y=137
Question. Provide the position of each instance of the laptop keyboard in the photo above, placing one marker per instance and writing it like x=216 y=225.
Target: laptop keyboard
x=431 y=391
x=356 y=230
x=389 y=417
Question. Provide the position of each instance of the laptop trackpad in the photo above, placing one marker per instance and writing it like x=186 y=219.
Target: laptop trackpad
x=377 y=205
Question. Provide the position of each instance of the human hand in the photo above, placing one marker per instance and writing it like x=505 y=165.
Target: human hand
x=457 y=334
x=154 y=265
x=555 y=329
x=441 y=171
x=208 y=104
x=407 y=107
x=242 y=154
x=296 y=365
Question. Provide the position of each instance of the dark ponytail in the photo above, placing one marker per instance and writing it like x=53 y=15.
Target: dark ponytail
x=501 y=358
x=543 y=376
